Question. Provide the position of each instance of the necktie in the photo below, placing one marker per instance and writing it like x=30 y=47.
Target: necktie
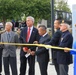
x=41 y=38
x=27 y=37
x=8 y=37
x=28 y=34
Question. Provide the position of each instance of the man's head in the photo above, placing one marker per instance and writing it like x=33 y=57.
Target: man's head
x=56 y=24
x=42 y=29
x=8 y=26
x=29 y=21
x=64 y=27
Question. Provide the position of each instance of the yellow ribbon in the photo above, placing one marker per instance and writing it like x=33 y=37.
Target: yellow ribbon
x=39 y=45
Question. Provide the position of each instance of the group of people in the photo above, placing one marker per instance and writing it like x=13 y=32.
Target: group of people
x=17 y=24
x=61 y=38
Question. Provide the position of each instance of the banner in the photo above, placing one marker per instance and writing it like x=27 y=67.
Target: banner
x=74 y=32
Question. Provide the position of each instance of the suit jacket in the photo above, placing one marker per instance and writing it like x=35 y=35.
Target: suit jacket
x=0 y=41
x=55 y=38
x=65 y=41
x=55 y=42
x=9 y=49
x=34 y=37
x=42 y=53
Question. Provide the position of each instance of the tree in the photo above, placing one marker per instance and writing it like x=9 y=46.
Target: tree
x=9 y=9
x=38 y=9
x=62 y=6
x=13 y=9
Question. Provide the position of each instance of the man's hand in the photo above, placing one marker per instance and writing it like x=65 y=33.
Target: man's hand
x=32 y=52
x=29 y=51
x=66 y=49
x=35 y=42
x=25 y=49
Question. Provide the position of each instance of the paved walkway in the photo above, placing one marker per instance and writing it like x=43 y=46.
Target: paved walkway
x=51 y=69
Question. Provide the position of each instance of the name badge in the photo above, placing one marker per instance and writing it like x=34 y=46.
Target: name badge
x=61 y=39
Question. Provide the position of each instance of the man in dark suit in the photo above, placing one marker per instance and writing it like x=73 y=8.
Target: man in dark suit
x=42 y=53
x=55 y=42
x=28 y=35
x=1 y=49
x=9 y=51
x=64 y=58
x=1 y=59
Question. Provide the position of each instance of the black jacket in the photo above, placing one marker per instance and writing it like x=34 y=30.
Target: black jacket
x=42 y=53
x=34 y=37
x=65 y=41
x=55 y=42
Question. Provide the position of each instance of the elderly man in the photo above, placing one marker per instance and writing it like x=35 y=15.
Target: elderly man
x=64 y=58
x=42 y=53
x=28 y=35
x=9 y=51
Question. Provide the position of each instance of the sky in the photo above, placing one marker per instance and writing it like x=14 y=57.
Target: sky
x=71 y=2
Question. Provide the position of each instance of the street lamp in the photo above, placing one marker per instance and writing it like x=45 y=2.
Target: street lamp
x=52 y=16
x=52 y=22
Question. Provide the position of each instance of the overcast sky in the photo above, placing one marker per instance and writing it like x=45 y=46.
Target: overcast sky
x=71 y=2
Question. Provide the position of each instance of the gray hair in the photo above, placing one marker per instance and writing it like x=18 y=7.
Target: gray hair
x=43 y=27
x=9 y=23
x=32 y=18
x=67 y=25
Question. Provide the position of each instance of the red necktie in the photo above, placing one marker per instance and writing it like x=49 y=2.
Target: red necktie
x=28 y=34
x=27 y=37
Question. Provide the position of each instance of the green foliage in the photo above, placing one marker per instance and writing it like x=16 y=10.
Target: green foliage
x=10 y=9
x=14 y=9
x=38 y=9
x=63 y=6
